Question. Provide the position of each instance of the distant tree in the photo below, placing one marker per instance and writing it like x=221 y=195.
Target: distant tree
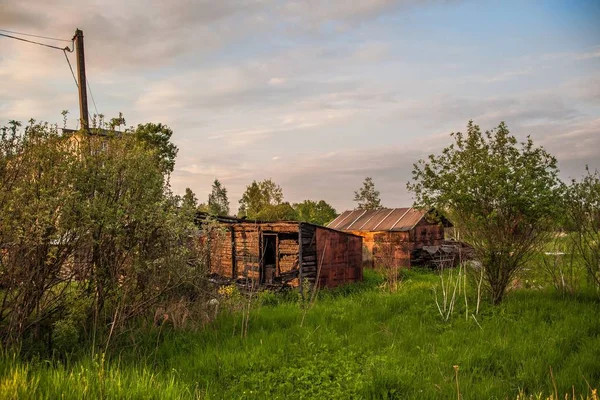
x=116 y=122
x=367 y=197
x=259 y=196
x=203 y=207
x=277 y=212
x=189 y=199
x=319 y=213
x=501 y=197
x=158 y=137
x=218 y=204
x=583 y=215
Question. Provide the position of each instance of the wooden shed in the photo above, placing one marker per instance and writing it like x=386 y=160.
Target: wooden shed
x=391 y=235
x=282 y=253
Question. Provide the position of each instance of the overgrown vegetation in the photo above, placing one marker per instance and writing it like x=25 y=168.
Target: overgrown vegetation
x=583 y=219
x=358 y=341
x=103 y=292
x=91 y=237
x=503 y=197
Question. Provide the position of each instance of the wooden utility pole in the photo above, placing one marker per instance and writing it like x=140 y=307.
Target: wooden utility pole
x=83 y=104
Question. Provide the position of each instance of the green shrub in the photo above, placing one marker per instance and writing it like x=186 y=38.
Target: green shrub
x=65 y=336
x=268 y=298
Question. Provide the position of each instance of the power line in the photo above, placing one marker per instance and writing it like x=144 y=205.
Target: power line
x=79 y=35
x=76 y=84
x=66 y=48
x=92 y=95
x=71 y=68
x=37 y=36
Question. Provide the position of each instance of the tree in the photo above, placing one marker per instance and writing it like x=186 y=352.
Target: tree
x=157 y=137
x=218 y=204
x=90 y=234
x=189 y=199
x=277 y=212
x=501 y=197
x=582 y=200
x=319 y=213
x=258 y=197
x=367 y=197
x=114 y=123
x=134 y=229
x=38 y=205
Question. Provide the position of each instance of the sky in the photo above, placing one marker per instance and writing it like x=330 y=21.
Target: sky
x=316 y=95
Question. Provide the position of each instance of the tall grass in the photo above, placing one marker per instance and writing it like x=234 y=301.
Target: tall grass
x=355 y=342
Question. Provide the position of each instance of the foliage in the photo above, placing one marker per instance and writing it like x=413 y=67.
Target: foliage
x=259 y=195
x=367 y=197
x=500 y=196
x=37 y=235
x=561 y=264
x=85 y=216
x=264 y=201
x=158 y=137
x=583 y=210
x=189 y=199
x=278 y=212
x=218 y=204
x=318 y=213
x=358 y=341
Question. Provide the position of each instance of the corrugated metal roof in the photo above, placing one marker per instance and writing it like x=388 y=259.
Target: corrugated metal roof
x=385 y=219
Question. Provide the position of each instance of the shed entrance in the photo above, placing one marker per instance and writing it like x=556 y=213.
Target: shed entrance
x=270 y=250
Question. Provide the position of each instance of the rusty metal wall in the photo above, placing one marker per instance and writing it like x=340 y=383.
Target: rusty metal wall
x=339 y=256
x=395 y=248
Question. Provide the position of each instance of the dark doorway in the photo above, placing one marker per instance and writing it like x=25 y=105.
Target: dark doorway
x=269 y=262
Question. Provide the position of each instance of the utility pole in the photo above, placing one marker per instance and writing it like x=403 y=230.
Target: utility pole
x=83 y=104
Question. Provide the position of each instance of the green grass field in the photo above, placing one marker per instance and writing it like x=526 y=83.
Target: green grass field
x=355 y=342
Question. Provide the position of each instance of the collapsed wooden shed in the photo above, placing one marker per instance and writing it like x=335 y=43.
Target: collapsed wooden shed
x=391 y=236
x=281 y=253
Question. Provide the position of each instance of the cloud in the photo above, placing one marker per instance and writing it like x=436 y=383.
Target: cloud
x=276 y=81
x=371 y=52
x=316 y=14
x=573 y=55
x=328 y=92
x=129 y=34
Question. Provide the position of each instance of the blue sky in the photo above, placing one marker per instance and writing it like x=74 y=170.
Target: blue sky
x=318 y=95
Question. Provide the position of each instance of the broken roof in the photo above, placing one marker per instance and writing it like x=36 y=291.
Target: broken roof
x=202 y=216
x=384 y=219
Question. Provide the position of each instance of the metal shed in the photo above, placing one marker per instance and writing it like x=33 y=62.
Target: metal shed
x=391 y=235
x=281 y=253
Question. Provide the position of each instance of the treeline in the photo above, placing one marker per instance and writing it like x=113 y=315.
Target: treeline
x=263 y=201
x=91 y=236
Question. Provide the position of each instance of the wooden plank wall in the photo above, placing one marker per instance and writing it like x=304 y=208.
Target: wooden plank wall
x=235 y=253
x=247 y=237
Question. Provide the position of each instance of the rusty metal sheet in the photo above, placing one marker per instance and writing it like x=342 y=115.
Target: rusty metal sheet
x=345 y=219
x=361 y=218
x=376 y=218
x=391 y=220
x=409 y=220
x=385 y=219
